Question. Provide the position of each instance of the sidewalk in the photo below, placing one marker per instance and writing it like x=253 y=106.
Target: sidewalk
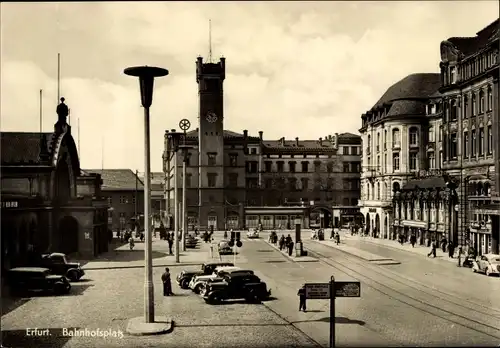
x=293 y=257
x=123 y=257
x=418 y=249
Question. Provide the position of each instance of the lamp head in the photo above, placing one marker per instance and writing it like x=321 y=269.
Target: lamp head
x=146 y=75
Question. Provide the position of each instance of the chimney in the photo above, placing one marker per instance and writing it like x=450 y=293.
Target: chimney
x=297 y=141
x=261 y=134
x=245 y=140
x=245 y=133
x=320 y=141
x=282 y=141
x=336 y=139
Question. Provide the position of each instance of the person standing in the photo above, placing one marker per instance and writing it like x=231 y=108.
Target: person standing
x=337 y=237
x=460 y=251
x=290 y=248
x=170 y=244
x=282 y=242
x=302 y=298
x=167 y=284
x=413 y=240
x=451 y=249
x=433 y=249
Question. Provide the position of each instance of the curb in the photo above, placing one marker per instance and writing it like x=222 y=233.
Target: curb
x=136 y=326
x=142 y=266
x=291 y=258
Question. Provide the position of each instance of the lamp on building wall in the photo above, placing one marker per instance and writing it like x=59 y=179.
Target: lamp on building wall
x=146 y=75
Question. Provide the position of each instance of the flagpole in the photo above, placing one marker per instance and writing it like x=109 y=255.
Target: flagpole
x=79 y=153
x=58 y=77
x=41 y=113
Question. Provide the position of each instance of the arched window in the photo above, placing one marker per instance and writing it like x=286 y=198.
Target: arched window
x=453 y=110
x=413 y=136
x=490 y=99
x=368 y=191
x=466 y=106
x=385 y=194
x=481 y=102
x=431 y=134
x=378 y=142
x=396 y=140
x=396 y=187
x=369 y=140
x=474 y=105
x=385 y=139
x=378 y=191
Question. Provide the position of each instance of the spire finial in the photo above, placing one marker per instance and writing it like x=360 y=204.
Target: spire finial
x=210 y=41
x=62 y=111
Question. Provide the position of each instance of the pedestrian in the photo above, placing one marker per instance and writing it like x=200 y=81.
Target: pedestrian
x=142 y=237
x=444 y=243
x=460 y=251
x=290 y=248
x=433 y=249
x=451 y=249
x=170 y=243
x=302 y=298
x=337 y=238
x=167 y=284
x=131 y=243
x=288 y=239
x=413 y=240
x=282 y=242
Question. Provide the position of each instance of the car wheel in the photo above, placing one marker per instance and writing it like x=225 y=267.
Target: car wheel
x=197 y=289
x=214 y=298
x=59 y=289
x=184 y=283
x=73 y=276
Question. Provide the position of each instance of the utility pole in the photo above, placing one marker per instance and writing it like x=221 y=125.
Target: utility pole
x=135 y=205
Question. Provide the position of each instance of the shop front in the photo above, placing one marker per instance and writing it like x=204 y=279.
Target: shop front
x=275 y=217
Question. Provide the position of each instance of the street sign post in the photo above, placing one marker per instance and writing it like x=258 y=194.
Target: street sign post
x=332 y=290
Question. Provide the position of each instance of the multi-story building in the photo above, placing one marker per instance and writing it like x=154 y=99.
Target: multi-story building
x=125 y=194
x=235 y=180
x=394 y=135
x=469 y=78
x=48 y=204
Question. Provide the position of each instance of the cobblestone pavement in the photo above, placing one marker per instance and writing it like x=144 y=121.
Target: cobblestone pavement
x=107 y=298
x=393 y=309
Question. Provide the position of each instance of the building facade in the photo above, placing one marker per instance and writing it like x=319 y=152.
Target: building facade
x=48 y=204
x=469 y=88
x=394 y=133
x=236 y=180
x=124 y=192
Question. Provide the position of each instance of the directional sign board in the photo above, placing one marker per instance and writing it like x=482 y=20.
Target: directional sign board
x=318 y=291
x=347 y=289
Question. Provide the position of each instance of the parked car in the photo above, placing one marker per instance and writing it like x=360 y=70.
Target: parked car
x=185 y=276
x=238 y=286
x=224 y=248
x=36 y=279
x=198 y=282
x=253 y=234
x=489 y=264
x=58 y=264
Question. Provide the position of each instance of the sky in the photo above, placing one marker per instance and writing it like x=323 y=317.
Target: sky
x=305 y=69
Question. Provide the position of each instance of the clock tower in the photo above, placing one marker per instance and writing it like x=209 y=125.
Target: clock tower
x=211 y=200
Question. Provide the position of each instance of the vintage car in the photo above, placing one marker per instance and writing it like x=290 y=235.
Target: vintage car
x=236 y=286
x=208 y=268
x=488 y=264
x=22 y=280
x=198 y=282
x=224 y=248
x=58 y=264
x=191 y=241
x=253 y=234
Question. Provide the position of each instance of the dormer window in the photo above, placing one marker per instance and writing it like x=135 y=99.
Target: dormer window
x=453 y=74
x=453 y=110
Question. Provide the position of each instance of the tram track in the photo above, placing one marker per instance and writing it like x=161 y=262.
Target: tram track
x=470 y=315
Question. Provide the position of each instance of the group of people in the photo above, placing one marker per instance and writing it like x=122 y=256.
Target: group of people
x=286 y=243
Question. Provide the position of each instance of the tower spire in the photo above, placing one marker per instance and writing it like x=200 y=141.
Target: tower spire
x=210 y=41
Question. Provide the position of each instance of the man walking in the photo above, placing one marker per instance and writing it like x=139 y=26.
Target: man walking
x=167 y=284
x=170 y=243
x=290 y=248
x=302 y=298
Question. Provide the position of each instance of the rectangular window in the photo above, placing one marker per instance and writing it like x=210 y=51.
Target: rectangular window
x=317 y=166
x=269 y=166
x=110 y=201
x=123 y=200
x=292 y=184
x=431 y=135
x=395 y=162
x=211 y=158
x=490 y=140
x=345 y=201
x=453 y=145
x=252 y=183
x=291 y=166
x=378 y=163
x=346 y=167
x=233 y=180
x=384 y=165
x=481 y=142
x=233 y=159
x=413 y=161
x=465 y=145
x=346 y=184
x=432 y=160
x=212 y=179
x=354 y=150
x=304 y=183
x=305 y=167
x=330 y=183
x=188 y=179
x=281 y=166
x=473 y=143
x=346 y=150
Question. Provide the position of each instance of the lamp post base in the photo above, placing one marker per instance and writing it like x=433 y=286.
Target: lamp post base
x=138 y=326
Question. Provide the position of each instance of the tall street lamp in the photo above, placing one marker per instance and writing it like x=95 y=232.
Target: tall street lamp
x=147 y=325
x=174 y=138
x=184 y=125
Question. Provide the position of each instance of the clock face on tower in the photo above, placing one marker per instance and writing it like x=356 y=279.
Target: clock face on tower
x=211 y=117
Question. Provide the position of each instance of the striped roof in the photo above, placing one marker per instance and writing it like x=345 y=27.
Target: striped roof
x=22 y=147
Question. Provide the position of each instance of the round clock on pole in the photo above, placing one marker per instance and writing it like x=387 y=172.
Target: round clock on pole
x=211 y=117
